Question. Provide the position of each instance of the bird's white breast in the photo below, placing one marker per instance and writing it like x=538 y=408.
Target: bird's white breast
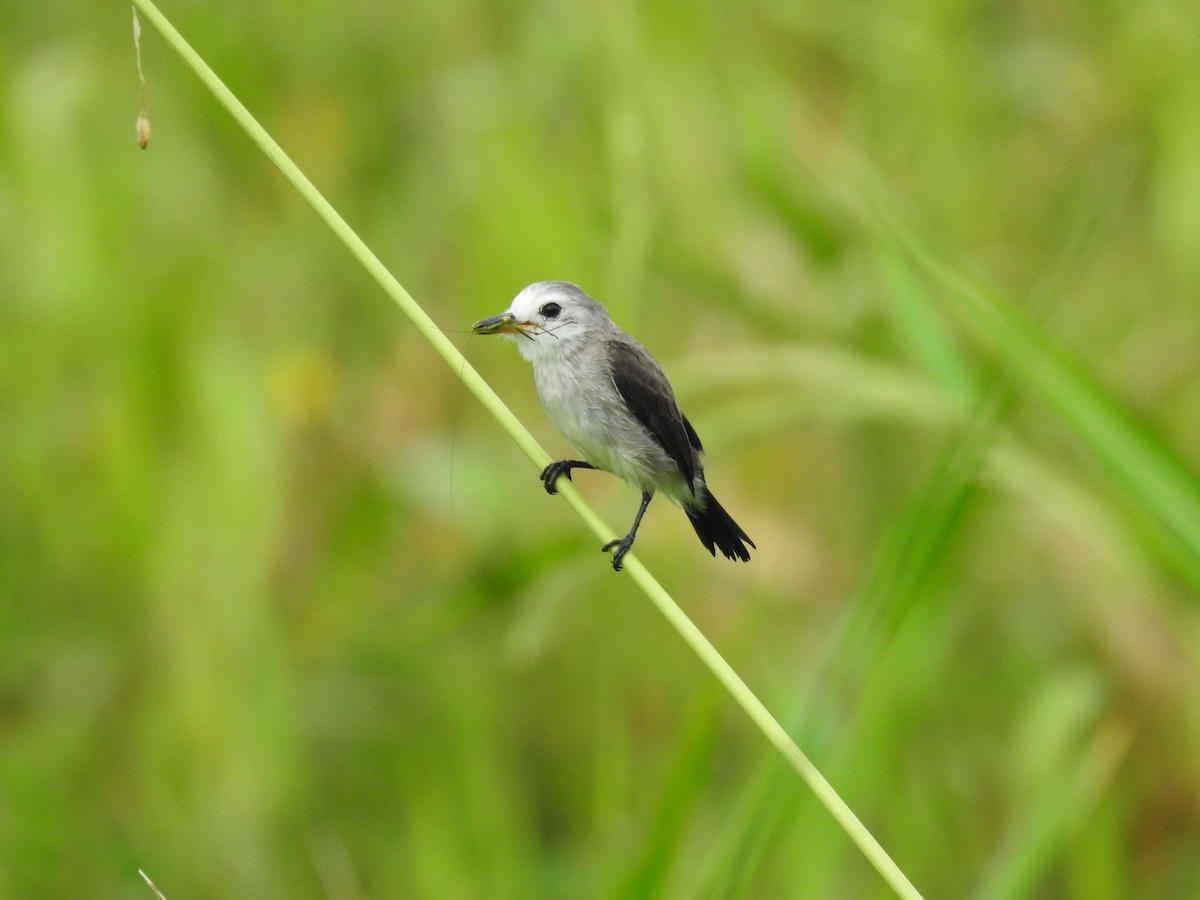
x=581 y=400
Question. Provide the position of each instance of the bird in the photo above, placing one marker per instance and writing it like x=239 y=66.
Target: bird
x=612 y=402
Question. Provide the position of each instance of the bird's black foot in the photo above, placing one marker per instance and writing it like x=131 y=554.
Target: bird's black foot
x=622 y=545
x=552 y=472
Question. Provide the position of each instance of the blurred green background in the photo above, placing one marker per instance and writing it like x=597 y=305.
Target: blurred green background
x=284 y=614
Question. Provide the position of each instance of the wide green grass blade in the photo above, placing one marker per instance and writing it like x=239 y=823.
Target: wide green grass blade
x=1150 y=478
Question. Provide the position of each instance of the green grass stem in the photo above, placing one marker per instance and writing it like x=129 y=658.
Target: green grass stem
x=695 y=639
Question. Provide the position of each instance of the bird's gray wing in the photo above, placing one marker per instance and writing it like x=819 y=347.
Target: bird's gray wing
x=647 y=393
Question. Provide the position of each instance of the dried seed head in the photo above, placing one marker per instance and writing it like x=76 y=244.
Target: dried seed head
x=143 y=130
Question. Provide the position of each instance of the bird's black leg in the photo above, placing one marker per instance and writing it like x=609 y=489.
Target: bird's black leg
x=551 y=473
x=623 y=544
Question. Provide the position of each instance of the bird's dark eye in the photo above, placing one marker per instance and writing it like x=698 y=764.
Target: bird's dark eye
x=550 y=310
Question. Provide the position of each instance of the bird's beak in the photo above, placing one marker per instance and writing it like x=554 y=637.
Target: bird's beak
x=501 y=324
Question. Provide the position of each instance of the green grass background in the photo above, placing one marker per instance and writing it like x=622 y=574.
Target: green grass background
x=284 y=614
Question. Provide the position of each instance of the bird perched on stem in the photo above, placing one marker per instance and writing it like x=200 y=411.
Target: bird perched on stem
x=610 y=399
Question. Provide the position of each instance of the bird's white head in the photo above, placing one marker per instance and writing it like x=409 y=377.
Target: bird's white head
x=549 y=318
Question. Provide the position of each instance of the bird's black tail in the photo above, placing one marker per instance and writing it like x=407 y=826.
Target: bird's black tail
x=716 y=529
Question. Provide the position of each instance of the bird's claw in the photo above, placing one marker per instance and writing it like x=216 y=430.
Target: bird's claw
x=622 y=545
x=551 y=474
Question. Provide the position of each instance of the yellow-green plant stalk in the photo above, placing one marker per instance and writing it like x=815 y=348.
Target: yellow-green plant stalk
x=741 y=693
